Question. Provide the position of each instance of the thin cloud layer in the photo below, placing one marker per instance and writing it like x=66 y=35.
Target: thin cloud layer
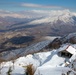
x=30 y=5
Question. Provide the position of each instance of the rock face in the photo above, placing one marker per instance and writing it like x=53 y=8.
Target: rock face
x=72 y=40
x=55 y=43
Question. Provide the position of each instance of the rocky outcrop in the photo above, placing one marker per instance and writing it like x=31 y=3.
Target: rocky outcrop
x=72 y=40
x=55 y=43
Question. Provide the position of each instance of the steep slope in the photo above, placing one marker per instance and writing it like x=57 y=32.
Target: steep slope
x=13 y=54
x=66 y=39
x=45 y=63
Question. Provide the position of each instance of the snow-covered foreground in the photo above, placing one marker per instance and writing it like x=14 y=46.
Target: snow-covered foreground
x=48 y=70
x=45 y=63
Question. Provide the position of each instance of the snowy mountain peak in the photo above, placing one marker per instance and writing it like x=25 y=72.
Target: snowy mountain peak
x=53 y=16
x=43 y=16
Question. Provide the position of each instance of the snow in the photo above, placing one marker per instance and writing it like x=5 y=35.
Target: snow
x=42 y=59
x=55 y=61
x=73 y=57
x=24 y=51
x=53 y=16
x=71 y=35
x=48 y=70
x=71 y=50
x=45 y=63
x=35 y=59
x=56 y=65
x=42 y=16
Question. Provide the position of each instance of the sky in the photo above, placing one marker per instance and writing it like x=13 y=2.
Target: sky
x=21 y=5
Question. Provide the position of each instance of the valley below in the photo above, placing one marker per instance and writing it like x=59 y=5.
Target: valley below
x=35 y=39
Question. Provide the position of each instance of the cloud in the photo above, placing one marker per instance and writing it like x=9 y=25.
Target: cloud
x=30 y=5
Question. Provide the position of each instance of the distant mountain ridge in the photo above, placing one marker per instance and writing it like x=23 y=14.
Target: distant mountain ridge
x=42 y=16
x=54 y=20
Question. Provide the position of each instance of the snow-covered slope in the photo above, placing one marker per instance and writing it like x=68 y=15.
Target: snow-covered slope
x=71 y=38
x=8 y=55
x=54 y=16
x=70 y=35
x=44 y=62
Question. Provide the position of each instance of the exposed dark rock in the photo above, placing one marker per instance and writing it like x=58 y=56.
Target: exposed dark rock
x=55 y=43
x=72 y=40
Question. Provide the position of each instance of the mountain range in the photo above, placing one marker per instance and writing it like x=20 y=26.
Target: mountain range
x=35 y=25
x=56 y=22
